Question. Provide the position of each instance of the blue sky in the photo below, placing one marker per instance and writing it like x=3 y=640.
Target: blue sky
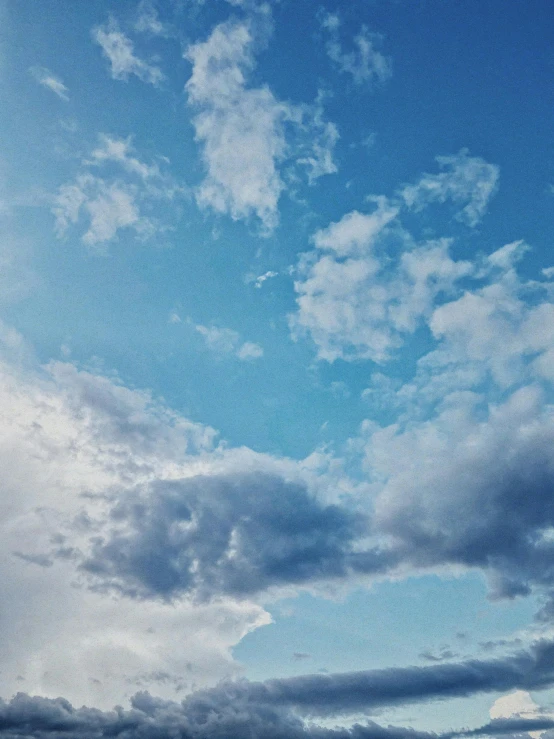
x=276 y=351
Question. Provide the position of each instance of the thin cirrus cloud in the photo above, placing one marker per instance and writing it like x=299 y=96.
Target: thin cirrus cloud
x=52 y=82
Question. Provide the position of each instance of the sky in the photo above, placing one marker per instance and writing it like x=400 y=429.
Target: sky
x=276 y=369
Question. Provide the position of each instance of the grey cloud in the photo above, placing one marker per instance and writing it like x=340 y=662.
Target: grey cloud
x=473 y=491
x=274 y=709
x=444 y=654
x=27 y=717
x=233 y=534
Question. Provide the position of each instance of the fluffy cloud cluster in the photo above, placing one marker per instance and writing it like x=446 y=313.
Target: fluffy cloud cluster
x=68 y=438
x=352 y=302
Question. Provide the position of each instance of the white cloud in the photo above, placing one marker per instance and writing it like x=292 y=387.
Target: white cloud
x=119 y=51
x=120 y=150
x=364 y=63
x=518 y=704
x=243 y=129
x=110 y=205
x=148 y=20
x=48 y=79
x=464 y=179
x=228 y=341
x=496 y=328
x=352 y=301
x=258 y=280
x=65 y=437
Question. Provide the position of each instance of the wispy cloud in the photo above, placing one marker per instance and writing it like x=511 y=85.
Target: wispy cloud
x=48 y=79
x=464 y=179
x=365 y=63
x=119 y=51
x=228 y=341
x=111 y=205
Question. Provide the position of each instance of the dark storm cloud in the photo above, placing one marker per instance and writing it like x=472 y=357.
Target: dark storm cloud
x=273 y=709
x=226 y=534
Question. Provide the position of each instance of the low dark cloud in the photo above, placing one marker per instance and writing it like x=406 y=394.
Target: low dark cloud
x=343 y=693
x=26 y=717
x=226 y=534
x=278 y=709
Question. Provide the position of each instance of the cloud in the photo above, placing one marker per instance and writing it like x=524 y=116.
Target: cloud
x=68 y=439
x=237 y=533
x=109 y=208
x=520 y=705
x=364 y=63
x=354 y=301
x=148 y=20
x=258 y=280
x=112 y=149
x=243 y=129
x=112 y=205
x=48 y=79
x=40 y=717
x=228 y=341
x=496 y=464
x=464 y=179
x=119 y=51
x=275 y=708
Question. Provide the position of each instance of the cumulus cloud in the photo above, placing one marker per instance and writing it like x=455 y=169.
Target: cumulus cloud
x=119 y=51
x=243 y=129
x=228 y=341
x=353 y=302
x=365 y=63
x=464 y=179
x=48 y=79
x=470 y=487
x=234 y=534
